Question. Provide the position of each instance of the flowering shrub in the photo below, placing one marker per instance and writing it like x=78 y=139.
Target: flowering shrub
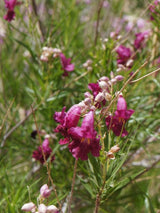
x=80 y=100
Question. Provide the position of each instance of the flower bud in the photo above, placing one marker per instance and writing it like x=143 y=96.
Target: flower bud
x=85 y=65
x=52 y=209
x=119 y=78
x=110 y=155
x=114 y=149
x=89 y=68
x=129 y=63
x=89 y=61
x=88 y=95
x=87 y=101
x=42 y=208
x=28 y=207
x=104 y=78
x=108 y=97
x=99 y=97
x=45 y=191
x=103 y=85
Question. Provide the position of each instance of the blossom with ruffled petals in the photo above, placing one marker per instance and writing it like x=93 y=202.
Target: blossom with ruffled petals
x=84 y=139
x=10 y=5
x=124 y=54
x=67 y=120
x=66 y=64
x=117 y=122
x=42 y=151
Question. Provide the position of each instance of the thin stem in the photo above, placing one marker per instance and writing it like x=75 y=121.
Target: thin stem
x=155 y=71
x=98 y=18
x=39 y=21
x=72 y=188
x=98 y=198
x=124 y=86
x=48 y=169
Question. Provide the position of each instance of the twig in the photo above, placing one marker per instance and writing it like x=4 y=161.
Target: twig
x=98 y=198
x=124 y=86
x=16 y=126
x=145 y=75
x=98 y=18
x=39 y=21
x=72 y=188
x=6 y=115
x=48 y=169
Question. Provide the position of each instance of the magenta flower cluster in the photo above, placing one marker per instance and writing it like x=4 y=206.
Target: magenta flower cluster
x=83 y=139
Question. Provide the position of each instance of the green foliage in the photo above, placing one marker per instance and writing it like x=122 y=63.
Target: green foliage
x=130 y=182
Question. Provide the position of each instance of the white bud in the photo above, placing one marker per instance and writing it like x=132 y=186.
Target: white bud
x=108 y=97
x=103 y=85
x=104 y=78
x=119 y=78
x=87 y=101
x=129 y=63
x=85 y=65
x=89 y=68
x=89 y=61
x=99 y=97
x=28 y=207
x=52 y=209
x=42 y=208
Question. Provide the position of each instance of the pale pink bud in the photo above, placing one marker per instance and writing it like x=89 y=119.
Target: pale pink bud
x=112 y=81
x=129 y=63
x=112 y=74
x=108 y=97
x=85 y=65
x=88 y=95
x=89 y=68
x=119 y=78
x=28 y=207
x=83 y=106
x=114 y=149
x=104 y=78
x=43 y=58
x=89 y=61
x=42 y=208
x=110 y=155
x=45 y=48
x=99 y=97
x=52 y=209
x=103 y=85
x=87 y=101
x=45 y=191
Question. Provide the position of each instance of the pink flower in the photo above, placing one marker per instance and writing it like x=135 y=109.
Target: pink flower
x=117 y=122
x=66 y=64
x=67 y=120
x=10 y=5
x=84 y=139
x=38 y=154
x=45 y=191
x=140 y=39
x=124 y=54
